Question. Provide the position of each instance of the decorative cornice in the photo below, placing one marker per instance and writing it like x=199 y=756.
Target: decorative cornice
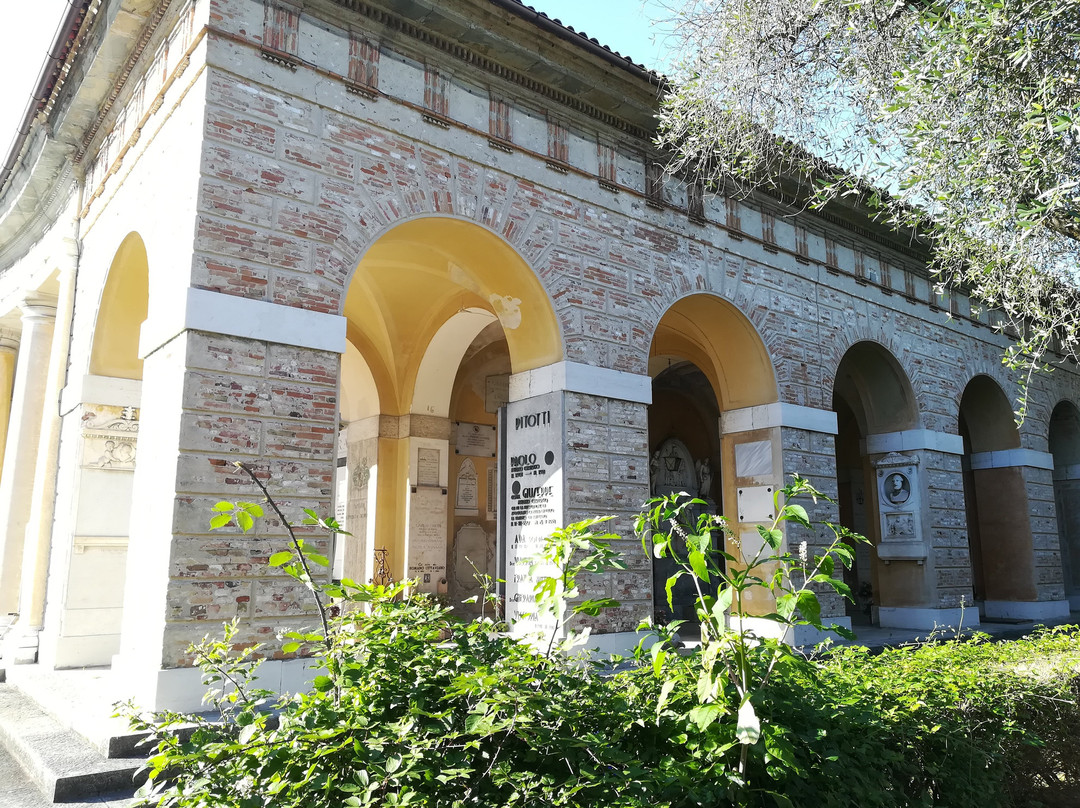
x=460 y=52
x=122 y=78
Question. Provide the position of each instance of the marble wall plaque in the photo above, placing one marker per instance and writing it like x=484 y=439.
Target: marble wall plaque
x=477 y=440
x=756 y=503
x=533 y=490
x=427 y=538
x=467 y=490
x=427 y=466
x=754 y=459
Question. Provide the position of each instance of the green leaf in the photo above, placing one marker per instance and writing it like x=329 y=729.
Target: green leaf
x=785 y=606
x=669 y=586
x=221 y=520
x=322 y=683
x=595 y=606
x=705 y=714
x=797 y=513
x=247 y=733
x=699 y=566
x=772 y=537
x=748 y=728
x=290 y=647
x=809 y=607
x=224 y=506
x=277 y=559
x=244 y=520
x=665 y=693
x=658 y=656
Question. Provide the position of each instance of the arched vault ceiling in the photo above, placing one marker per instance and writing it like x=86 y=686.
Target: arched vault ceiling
x=421 y=273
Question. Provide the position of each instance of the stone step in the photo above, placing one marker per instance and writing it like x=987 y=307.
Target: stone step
x=62 y=763
x=17 y=790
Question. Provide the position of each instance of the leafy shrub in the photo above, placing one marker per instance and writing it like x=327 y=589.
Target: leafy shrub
x=414 y=707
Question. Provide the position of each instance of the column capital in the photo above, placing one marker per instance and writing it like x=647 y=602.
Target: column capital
x=38 y=306
x=778 y=414
x=9 y=339
x=575 y=377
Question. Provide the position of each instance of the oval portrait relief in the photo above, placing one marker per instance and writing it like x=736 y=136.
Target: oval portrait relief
x=897 y=488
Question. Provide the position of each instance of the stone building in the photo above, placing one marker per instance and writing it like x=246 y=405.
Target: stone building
x=417 y=262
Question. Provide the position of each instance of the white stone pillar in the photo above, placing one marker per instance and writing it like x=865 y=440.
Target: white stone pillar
x=22 y=640
x=24 y=431
x=9 y=351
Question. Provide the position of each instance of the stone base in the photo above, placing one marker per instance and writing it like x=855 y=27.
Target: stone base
x=799 y=636
x=182 y=690
x=1074 y=602
x=1026 y=610
x=926 y=619
x=622 y=643
x=20 y=646
x=78 y=652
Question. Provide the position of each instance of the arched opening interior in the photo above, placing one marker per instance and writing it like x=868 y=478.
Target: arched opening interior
x=440 y=312
x=1065 y=447
x=706 y=359
x=871 y=396
x=115 y=347
x=995 y=498
x=98 y=455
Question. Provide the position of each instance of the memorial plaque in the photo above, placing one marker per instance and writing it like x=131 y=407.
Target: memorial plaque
x=427 y=467
x=467 y=490
x=477 y=440
x=754 y=459
x=427 y=538
x=341 y=495
x=492 y=492
x=533 y=486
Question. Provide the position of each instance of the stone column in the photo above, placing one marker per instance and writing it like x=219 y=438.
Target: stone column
x=9 y=351
x=1020 y=546
x=923 y=566
x=38 y=533
x=24 y=431
x=760 y=448
x=224 y=379
x=575 y=446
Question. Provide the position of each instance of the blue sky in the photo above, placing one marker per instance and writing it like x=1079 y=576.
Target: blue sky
x=623 y=25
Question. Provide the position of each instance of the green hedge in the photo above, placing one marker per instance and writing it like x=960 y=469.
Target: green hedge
x=430 y=711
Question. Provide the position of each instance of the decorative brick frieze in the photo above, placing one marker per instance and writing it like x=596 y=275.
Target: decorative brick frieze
x=281 y=28
x=363 y=66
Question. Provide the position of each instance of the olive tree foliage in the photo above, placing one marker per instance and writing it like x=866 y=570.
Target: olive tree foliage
x=957 y=121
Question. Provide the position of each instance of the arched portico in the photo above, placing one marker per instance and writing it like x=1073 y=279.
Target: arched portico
x=99 y=431
x=440 y=313
x=882 y=461
x=711 y=371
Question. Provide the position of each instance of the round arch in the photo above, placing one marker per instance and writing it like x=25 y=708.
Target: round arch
x=706 y=358
x=722 y=342
x=872 y=395
x=873 y=384
x=421 y=273
x=121 y=312
x=986 y=415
